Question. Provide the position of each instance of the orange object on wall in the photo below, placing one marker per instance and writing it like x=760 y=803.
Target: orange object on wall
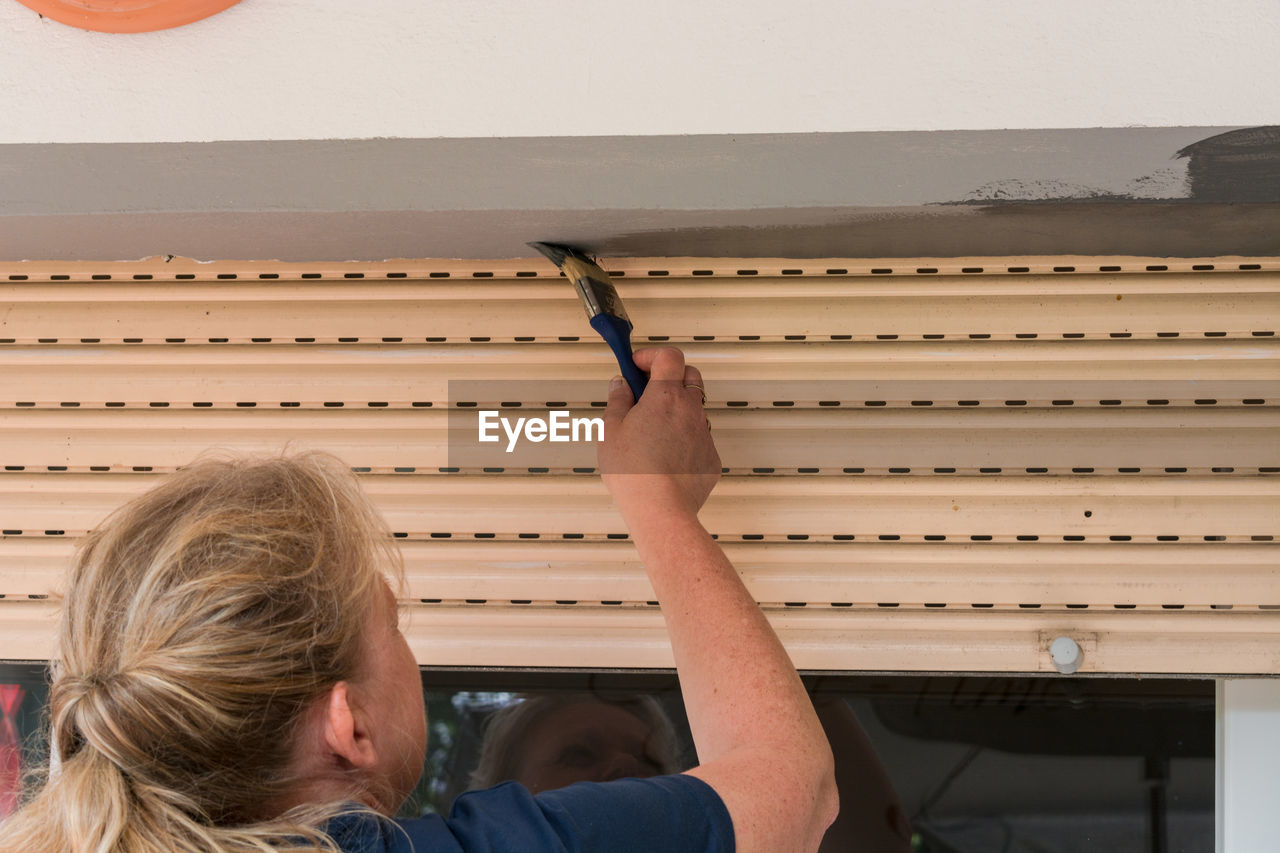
x=127 y=16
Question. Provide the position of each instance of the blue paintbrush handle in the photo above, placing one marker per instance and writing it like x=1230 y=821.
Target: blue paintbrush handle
x=617 y=334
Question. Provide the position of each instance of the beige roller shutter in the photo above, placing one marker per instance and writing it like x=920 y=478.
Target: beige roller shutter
x=932 y=465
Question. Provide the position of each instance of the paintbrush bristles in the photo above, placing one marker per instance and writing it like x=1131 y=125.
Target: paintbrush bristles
x=595 y=288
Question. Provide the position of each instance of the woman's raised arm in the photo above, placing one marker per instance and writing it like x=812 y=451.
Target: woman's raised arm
x=759 y=742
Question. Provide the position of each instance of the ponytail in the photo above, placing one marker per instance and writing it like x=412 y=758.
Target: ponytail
x=200 y=621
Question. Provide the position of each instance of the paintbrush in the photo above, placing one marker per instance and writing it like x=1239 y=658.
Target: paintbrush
x=603 y=306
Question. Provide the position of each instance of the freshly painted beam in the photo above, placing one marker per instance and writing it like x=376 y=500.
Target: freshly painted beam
x=1177 y=192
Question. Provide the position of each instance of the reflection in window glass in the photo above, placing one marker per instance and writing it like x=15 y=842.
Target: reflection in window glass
x=23 y=694
x=958 y=764
x=549 y=737
x=955 y=764
x=11 y=763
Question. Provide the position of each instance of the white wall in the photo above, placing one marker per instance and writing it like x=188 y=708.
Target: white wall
x=304 y=69
x=1248 y=755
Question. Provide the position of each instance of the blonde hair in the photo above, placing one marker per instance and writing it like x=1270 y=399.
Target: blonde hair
x=200 y=621
x=507 y=731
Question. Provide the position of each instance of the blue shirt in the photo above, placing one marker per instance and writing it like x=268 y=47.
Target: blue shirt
x=667 y=814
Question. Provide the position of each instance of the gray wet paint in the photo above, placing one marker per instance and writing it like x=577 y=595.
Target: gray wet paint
x=1161 y=229
x=1088 y=191
x=1238 y=166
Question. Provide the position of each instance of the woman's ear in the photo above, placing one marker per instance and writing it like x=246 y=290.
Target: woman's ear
x=346 y=730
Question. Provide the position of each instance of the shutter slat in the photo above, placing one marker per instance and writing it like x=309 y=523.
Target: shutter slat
x=832 y=639
x=1013 y=574
x=871 y=506
x=830 y=439
x=547 y=309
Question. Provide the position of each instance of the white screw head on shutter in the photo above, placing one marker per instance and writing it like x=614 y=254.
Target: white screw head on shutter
x=1067 y=655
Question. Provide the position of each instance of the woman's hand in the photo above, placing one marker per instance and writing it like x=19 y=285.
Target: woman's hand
x=657 y=456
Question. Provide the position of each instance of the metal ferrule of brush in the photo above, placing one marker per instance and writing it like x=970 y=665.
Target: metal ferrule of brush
x=599 y=297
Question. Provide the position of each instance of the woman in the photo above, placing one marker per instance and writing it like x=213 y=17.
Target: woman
x=549 y=740
x=232 y=677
